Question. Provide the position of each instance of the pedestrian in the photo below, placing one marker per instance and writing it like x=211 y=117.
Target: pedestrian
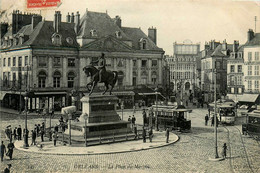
x=50 y=135
x=42 y=134
x=38 y=129
x=224 y=151
x=7 y=169
x=10 y=151
x=206 y=119
x=15 y=133
x=19 y=132
x=3 y=150
x=135 y=132
x=151 y=134
x=144 y=135
x=55 y=137
x=133 y=121
x=144 y=117
x=167 y=134
x=33 y=137
x=129 y=119
x=212 y=121
x=10 y=133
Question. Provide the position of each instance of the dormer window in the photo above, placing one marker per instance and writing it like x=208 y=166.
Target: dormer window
x=118 y=34
x=21 y=39
x=143 y=43
x=56 y=39
x=93 y=33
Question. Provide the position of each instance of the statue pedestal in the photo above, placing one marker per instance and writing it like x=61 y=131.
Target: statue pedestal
x=102 y=116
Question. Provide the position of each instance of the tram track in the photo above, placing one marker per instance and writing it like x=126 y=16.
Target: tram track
x=242 y=161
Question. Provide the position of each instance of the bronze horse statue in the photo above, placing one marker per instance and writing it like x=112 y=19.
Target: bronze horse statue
x=109 y=78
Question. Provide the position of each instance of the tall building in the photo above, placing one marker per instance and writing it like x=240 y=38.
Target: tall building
x=183 y=67
x=252 y=62
x=47 y=57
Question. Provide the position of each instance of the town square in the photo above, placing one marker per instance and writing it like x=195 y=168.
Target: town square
x=130 y=86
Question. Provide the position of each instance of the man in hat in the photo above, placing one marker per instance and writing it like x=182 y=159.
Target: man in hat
x=19 y=133
x=10 y=151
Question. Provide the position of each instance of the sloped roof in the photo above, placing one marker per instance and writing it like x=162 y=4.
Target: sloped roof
x=255 y=41
x=218 y=50
x=136 y=34
x=101 y=22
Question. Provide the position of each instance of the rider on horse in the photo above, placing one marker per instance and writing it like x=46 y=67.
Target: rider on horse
x=101 y=66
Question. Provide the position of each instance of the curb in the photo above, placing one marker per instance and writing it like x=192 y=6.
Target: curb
x=115 y=152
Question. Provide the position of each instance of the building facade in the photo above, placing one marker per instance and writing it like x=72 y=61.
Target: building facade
x=252 y=63
x=51 y=64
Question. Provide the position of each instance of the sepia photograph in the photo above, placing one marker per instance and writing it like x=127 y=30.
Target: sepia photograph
x=149 y=86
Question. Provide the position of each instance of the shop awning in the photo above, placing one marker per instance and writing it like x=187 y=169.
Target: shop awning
x=2 y=95
x=50 y=93
x=249 y=98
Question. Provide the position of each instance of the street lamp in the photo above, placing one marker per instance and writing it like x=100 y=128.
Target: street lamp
x=26 y=130
x=70 y=117
x=122 y=108
x=215 y=115
x=85 y=116
x=156 y=116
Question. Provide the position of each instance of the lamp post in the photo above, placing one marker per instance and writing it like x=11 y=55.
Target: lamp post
x=156 y=116
x=122 y=108
x=26 y=130
x=85 y=116
x=70 y=117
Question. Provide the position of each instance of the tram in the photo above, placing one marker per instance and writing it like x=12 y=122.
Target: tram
x=227 y=114
x=173 y=117
x=252 y=125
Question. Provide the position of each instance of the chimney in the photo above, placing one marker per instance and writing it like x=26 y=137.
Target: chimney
x=68 y=18
x=72 y=18
x=35 y=20
x=57 y=21
x=77 y=21
x=224 y=45
x=152 y=34
x=118 y=21
x=207 y=45
x=235 y=45
x=250 y=35
x=4 y=29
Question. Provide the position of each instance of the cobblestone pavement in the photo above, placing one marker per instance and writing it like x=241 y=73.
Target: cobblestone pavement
x=189 y=154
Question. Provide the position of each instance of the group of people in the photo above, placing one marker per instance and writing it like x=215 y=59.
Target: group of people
x=39 y=130
x=207 y=118
x=15 y=134
x=9 y=152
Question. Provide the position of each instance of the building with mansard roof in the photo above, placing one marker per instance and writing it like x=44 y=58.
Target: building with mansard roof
x=47 y=57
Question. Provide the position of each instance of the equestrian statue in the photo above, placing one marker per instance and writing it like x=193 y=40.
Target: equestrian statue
x=100 y=75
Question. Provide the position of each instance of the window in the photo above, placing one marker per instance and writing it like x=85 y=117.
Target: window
x=57 y=62
x=239 y=68
x=256 y=70
x=20 y=80
x=4 y=80
x=4 y=62
x=71 y=62
x=14 y=61
x=9 y=62
x=93 y=33
x=42 y=79
x=71 y=77
x=20 y=61
x=25 y=60
x=256 y=56
x=120 y=78
x=249 y=56
x=56 y=39
x=42 y=61
x=232 y=68
x=239 y=80
x=249 y=85
x=14 y=79
x=134 y=63
x=144 y=44
x=56 y=79
x=249 y=72
x=154 y=63
x=256 y=85
x=144 y=63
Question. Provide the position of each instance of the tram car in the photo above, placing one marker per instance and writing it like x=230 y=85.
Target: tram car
x=173 y=117
x=227 y=114
x=252 y=125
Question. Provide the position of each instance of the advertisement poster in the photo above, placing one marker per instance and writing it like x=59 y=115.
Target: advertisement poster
x=163 y=86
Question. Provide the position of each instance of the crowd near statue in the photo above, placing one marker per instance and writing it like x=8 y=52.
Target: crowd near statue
x=100 y=75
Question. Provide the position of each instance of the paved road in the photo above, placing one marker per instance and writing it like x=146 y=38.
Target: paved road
x=189 y=154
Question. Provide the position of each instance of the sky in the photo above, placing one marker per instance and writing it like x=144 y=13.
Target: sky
x=175 y=20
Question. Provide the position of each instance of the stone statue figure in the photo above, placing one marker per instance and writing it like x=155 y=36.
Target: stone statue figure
x=100 y=75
